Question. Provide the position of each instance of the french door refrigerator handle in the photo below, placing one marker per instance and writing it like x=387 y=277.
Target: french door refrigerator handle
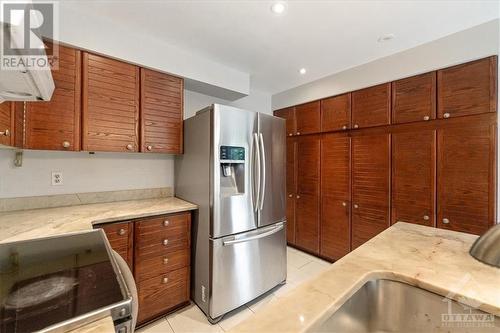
x=251 y=238
x=261 y=140
x=257 y=151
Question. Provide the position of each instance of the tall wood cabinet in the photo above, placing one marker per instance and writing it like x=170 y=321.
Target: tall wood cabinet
x=371 y=160
x=55 y=125
x=413 y=177
x=335 y=236
x=419 y=150
x=308 y=193
x=466 y=173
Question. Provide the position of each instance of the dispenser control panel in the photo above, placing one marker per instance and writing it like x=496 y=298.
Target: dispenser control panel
x=232 y=153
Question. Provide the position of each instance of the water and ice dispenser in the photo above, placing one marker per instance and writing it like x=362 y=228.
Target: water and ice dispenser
x=232 y=170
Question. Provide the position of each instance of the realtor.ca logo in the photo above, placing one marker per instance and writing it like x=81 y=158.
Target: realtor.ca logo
x=466 y=313
x=25 y=25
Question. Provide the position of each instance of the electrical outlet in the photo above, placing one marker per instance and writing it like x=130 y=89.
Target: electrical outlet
x=57 y=178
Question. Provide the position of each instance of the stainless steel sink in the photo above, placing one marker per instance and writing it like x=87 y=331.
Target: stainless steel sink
x=391 y=306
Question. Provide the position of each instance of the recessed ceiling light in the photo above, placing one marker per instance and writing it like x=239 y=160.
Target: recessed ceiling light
x=385 y=38
x=302 y=71
x=279 y=7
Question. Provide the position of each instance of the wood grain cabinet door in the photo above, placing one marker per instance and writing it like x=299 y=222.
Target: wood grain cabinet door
x=308 y=118
x=414 y=98
x=289 y=115
x=335 y=238
x=161 y=112
x=121 y=239
x=336 y=113
x=55 y=124
x=467 y=89
x=7 y=123
x=291 y=189
x=307 y=199
x=110 y=105
x=372 y=106
x=371 y=174
x=466 y=178
x=413 y=177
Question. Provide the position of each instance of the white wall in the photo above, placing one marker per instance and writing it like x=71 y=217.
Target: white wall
x=256 y=101
x=463 y=46
x=83 y=172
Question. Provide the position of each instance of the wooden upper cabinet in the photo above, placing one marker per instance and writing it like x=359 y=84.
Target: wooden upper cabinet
x=307 y=198
x=335 y=238
x=7 y=123
x=55 y=125
x=336 y=113
x=161 y=112
x=308 y=118
x=289 y=115
x=371 y=177
x=414 y=98
x=372 y=106
x=413 y=177
x=110 y=105
x=466 y=177
x=466 y=89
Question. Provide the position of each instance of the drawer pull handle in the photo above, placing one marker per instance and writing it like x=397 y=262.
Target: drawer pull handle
x=5 y=133
x=426 y=217
x=356 y=206
x=165 y=242
x=165 y=280
x=446 y=221
x=166 y=223
x=66 y=144
x=130 y=147
x=165 y=260
x=344 y=127
x=356 y=125
x=149 y=148
x=344 y=203
x=446 y=115
x=121 y=232
x=427 y=118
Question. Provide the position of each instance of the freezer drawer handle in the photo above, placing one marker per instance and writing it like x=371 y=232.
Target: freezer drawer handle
x=262 y=235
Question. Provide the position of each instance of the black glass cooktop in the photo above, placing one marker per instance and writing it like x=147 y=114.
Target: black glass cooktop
x=48 y=281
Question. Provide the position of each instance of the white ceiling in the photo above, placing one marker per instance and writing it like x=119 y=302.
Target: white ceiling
x=323 y=36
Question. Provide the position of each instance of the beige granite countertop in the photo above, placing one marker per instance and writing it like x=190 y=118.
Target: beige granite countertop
x=433 y=259
x=29 y=224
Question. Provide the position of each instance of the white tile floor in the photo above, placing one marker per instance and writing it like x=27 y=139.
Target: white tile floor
x=300 y=267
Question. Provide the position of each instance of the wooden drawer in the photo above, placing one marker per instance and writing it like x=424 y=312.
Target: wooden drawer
x=155 y=237
x=160 y=265
x=121 y=236
x=158 y=296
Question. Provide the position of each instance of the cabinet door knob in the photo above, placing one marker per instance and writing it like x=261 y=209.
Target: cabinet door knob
x=344 y=127
x=356 y=125
x=130 y=147
x=5 y=133
x=66 y=144
x=290 y=195
x=427 y=117
x=121 y=232
x=298 y=133
x=446 y=221
x=166 y=223
x=344 y=203
x=446 y=115
x=298 y=196
x=165 y=242
x=290 y=134
x=356 y=206
x=165 y=260
x=149 y=148
x=165 y=280
x=426 y=217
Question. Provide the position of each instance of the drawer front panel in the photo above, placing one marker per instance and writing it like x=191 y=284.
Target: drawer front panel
x=160 y=265
x=160 y=294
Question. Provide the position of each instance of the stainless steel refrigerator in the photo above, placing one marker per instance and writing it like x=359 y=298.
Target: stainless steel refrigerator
x=233 y=168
